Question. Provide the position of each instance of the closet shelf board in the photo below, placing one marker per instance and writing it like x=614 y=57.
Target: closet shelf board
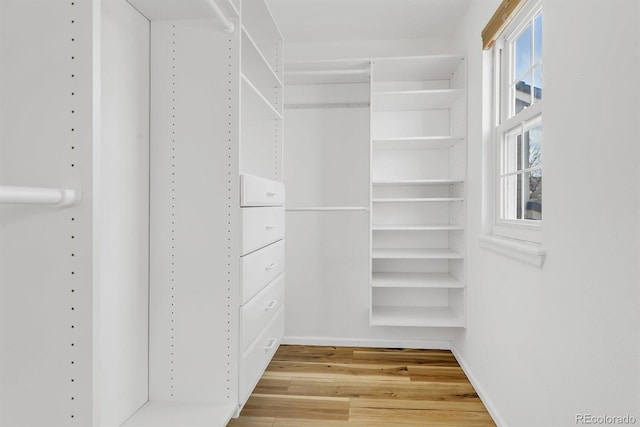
x=415 y=227
x=416 y=143
x=384 y=315
x=419 y=200
x=311 y=77
x=171 y=414
x=256 y=65
x=164 y=10
x=254 y=105
x=421 y=68
x=413 y=100
x=418 y=182
x=414 y=253
x=261 y=29
x=415 y=280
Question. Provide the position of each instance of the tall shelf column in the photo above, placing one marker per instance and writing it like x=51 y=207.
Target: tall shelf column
x=418 y=146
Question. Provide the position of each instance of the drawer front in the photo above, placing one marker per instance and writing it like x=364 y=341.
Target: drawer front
x=261 y=226
x=256 y=191
x=259 y=268
x=260 y=310
x=255 y=360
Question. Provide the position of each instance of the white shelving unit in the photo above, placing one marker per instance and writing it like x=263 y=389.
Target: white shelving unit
x=418 y=152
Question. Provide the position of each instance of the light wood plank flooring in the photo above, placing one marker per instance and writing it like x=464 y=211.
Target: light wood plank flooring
x=363 y=387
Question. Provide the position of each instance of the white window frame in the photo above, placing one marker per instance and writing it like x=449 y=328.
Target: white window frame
x=520 y=229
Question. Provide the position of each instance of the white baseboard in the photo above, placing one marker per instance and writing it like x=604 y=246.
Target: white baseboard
x=368 y=342
x=479 y=389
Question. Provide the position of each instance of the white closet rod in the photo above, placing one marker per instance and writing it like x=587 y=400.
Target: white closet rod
x=226 y=24
x=328 y=209
x=38 y=196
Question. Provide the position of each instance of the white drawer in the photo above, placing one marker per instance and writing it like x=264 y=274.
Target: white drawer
x=256 y=191
x=257 y=312
x=259 y=268
x=261 y=226
x=255 y=360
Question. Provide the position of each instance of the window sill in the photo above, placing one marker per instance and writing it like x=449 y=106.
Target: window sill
x=530 y=253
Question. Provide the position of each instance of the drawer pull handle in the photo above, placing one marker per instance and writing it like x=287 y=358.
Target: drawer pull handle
x=270 y=194
x=272 y=344
x=269 y=227
x=270 y=266
x=271 y=305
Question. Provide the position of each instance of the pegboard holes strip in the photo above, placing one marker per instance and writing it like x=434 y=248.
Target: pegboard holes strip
x=230 y=205
x=172 y=210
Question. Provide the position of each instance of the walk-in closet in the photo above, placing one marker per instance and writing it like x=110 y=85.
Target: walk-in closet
x=294 y=213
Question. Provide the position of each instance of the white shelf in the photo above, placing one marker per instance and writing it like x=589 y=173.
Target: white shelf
x=419 y=200
x=415 y=280
x=435 y=67
x=416 y=143
x=255 y=66
x=171 y=414
x=159 y=10
x=419 y=182
x=327 y=72
x=253 y=17
x=383 y=315
x=415 y=227
x=254 y=105
x=413 y=253
x=412 y=100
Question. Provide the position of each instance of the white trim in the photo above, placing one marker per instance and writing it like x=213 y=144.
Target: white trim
x=368 y=342
x=524 y=251
x=482 y=394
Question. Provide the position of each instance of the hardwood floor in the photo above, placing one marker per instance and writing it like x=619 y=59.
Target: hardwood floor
x=363 y=387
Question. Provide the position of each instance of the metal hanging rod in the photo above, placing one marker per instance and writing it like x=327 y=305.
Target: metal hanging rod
x=326 y=105
x=38 y=196
x=227 y=25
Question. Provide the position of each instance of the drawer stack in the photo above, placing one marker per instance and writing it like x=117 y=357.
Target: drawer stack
x=262 y=277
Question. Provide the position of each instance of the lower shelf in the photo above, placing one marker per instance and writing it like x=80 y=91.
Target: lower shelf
x=414 y=253
x=415 y=280
x=174 y=414
x=385 y=315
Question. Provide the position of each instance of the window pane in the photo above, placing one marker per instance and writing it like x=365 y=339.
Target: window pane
x=509 y=188
x=533 y=206
x=537 y=83
x=522 y=53
x=537 y=38
x=533 y=146
x=512 y=153
x=522 y=94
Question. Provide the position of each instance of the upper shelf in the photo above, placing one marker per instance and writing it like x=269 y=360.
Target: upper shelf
x=327 y=72
x=255 y=66
x=417 y=181
x=164 y=10
x=420 y=68
x=254 y=13
x=411 y=100
x=416 y=143
x=254 y=105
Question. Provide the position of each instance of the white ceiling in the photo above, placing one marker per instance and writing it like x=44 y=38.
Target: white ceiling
x=346 y=20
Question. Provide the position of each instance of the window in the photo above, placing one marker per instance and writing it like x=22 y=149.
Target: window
x=518 y=128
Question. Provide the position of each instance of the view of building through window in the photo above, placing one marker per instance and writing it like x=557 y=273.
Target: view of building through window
x=520 y=172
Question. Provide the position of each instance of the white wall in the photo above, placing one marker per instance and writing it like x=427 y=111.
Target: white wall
x=545 y=344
